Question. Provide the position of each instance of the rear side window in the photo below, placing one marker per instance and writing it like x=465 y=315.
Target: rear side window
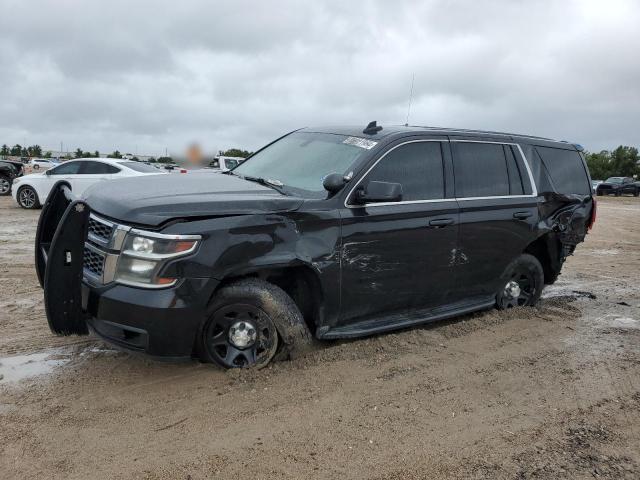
x=566 y=170
x=417 y=167
x=97 y=168
x=514 y=172
x=480 y=170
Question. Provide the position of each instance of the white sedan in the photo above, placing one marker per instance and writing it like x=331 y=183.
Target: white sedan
x=30 y=191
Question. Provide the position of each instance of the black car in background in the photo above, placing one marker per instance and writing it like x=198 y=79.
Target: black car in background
x=8 y=171
x=326 y=233
x=618 y=186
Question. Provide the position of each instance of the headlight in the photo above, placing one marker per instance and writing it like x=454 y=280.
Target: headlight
x=144 y=254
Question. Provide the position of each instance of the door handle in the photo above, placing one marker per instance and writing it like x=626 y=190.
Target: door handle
x=522 y=215
x=441 y=222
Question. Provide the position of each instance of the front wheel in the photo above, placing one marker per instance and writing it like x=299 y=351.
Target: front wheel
x=28 y=198
x=250 y=322
x=522 y=283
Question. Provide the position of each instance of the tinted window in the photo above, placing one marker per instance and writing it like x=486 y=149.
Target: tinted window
x=514 y=172
x=566 y=170
x=98 y=168
x=70 y=168
x=231 y=163
x=417 y=167
x=480 y=170
x=140 y=167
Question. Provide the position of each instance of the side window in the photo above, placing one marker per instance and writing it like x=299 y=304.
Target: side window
x=514 y=172
x=566 y=170
x=70 y=168
x=480 y=170
x=97 y=168
x=417 y=167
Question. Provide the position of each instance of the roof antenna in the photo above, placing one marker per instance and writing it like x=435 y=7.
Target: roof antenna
x=413 y=77
x=372 y=128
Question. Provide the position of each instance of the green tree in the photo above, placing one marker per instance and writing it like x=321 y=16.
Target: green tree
x=115 y=154
x=235 y=152
x=34 y=151
x=599 y=165
x=151 y=160
x=135 y=159
x=625 y=161
x=25 y=152
x=78 y=153
x=16 y=150
x=4 y=151
x=96 y=154
x=165 y=160
x=47 y=154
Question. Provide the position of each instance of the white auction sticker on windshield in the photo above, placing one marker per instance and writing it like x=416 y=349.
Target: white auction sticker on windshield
x=360 y=142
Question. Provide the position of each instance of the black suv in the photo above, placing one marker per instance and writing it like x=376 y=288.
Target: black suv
x=618 y=186
x=326 y=232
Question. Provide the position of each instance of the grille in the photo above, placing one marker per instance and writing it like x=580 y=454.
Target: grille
x=93 y=262
x=100 y=230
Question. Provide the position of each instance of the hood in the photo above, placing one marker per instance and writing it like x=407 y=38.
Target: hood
x=155 y=199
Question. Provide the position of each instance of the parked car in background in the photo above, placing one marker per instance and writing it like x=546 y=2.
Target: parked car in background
x=30 y=191
x=333 y=233
x=224 y=164
x=595 y=183
x=8 y=171
x=618 y=186
x=42 y=163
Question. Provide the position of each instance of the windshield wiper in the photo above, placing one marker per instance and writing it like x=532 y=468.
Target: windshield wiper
x=277 y=185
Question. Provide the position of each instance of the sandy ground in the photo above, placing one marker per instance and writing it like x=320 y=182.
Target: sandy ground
x=547 y=392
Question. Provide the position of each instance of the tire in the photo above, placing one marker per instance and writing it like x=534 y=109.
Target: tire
x=254 y=309
x=617 y=194
x=599 y=193
x=28 y=198
x=5 y=185
x=526 y=271
x=36 y=167
x=636 y=193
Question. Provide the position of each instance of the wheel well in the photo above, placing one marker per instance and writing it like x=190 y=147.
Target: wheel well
x=300 y=283
x=546 y=249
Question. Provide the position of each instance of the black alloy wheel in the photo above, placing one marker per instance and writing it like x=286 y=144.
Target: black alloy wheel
x=241 y=335
x=5 y=185
x=522 y=283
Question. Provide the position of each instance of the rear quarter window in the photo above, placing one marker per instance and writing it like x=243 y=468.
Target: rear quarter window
x=566 y=170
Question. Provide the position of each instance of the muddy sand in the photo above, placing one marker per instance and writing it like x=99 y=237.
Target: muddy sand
x=544 y=393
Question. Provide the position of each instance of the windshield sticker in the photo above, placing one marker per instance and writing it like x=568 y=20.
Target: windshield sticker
x=360 y=142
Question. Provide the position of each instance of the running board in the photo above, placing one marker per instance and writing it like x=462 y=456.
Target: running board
x=397 y=321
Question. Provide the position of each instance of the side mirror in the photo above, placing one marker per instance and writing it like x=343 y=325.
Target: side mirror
x=333 y=183
x=47 y=172
x=379 y=192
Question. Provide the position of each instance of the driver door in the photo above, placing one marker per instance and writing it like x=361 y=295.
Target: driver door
x=398 y=256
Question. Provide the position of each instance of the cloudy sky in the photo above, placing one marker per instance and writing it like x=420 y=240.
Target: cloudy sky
x=138 y=75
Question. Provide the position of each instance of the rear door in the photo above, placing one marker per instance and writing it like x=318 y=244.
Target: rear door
x=92 y=172
x=397 y=255
x=498 y=212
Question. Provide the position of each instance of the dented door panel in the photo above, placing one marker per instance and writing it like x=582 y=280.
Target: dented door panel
x=397 y=257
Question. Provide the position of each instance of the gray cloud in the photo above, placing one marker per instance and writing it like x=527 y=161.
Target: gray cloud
x=157 y=74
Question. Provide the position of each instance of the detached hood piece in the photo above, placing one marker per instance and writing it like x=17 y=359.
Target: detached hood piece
x=155 y=199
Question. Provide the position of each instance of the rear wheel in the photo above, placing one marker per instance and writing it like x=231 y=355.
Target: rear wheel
x=5 y=185
x=522 y=283
x=28 y=198
x=250 y=322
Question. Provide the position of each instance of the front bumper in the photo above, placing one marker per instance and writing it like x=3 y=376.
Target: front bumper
x=160 y=323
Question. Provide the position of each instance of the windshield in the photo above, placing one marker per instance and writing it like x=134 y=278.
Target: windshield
x=301 y=160
x=231 y=163
x=614 y=180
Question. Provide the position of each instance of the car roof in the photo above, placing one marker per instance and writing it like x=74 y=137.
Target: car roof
x=406 y=130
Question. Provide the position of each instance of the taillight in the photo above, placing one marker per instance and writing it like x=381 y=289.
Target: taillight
x=182 y=170
x=594 y=209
